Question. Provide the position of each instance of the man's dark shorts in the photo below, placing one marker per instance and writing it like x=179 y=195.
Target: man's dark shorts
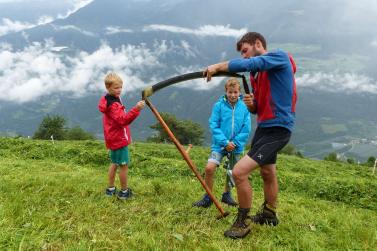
x=266 y=143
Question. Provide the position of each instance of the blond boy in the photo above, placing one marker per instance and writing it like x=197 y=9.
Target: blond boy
x=117 y=133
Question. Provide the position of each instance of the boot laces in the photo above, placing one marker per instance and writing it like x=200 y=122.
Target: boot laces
x=240 y=221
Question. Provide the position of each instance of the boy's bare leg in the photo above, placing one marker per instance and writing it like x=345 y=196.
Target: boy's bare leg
x=123 y=170
x=111 y=174
x=241 y=172
x=209 y=173
x=270 y=184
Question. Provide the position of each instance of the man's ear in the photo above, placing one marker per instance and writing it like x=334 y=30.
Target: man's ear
x=258 y=44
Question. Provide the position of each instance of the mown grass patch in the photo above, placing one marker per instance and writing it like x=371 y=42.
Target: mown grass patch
x=56 y=202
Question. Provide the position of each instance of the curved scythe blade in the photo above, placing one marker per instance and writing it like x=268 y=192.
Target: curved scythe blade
x=150 y=90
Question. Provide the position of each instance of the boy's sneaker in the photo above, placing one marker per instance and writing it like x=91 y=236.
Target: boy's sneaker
x=205 y=202
x=227 y=199
x=241 y=227
x=110 y=191
x=124 y=195
x=266 y=216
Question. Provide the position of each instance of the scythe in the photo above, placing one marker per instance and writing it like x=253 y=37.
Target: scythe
x=149 y=91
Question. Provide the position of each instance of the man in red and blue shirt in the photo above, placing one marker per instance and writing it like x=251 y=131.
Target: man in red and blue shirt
x=274 y=101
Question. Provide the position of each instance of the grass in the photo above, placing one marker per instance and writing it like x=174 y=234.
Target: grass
x=52 y=198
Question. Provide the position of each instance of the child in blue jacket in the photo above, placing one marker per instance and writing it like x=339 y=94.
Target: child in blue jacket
x=230 y=127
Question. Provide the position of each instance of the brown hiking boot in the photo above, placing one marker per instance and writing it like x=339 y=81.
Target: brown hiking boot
x=266 y=216
x=241 y=227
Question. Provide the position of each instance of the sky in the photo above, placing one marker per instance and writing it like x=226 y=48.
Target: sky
x=39 y=70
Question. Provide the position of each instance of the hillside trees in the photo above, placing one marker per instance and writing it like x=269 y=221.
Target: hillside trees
x=186 y=131
x=291 y=150
x=77 y=133
x=331 y=157
x=56 y=126
x=51 y=125
x=370 y=161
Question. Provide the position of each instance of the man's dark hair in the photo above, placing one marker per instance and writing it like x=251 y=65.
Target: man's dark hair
x=251 y=38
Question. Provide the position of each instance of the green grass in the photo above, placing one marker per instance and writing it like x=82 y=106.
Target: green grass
x=52 y=198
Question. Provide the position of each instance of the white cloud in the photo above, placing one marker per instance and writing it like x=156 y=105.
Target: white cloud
x=116 y=29
x=38 y=70
x=9 y=26
x=73 y=27
x=206 y=30
x=337 y=82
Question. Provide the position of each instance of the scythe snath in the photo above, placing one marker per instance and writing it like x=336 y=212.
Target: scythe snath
x=149 y=91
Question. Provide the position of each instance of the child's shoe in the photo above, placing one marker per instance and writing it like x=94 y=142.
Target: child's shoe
x=227 y=199
x=124 y=195
x=205 y=202
x=110 y=191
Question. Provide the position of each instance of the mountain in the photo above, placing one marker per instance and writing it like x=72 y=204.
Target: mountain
x=148 y=41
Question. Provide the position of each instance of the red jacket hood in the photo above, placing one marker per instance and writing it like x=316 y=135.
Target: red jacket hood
x=102 y=105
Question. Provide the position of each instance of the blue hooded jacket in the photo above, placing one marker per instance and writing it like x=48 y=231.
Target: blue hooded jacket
x=229 y=123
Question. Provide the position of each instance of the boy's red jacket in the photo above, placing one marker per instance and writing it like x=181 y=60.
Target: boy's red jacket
x=115 y=122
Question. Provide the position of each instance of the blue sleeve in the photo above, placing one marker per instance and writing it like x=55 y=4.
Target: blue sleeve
x=265 y=62
x=241 y=138
x=214 y=124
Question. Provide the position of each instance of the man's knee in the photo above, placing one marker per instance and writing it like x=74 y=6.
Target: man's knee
x=239 y=175
x=268 y=172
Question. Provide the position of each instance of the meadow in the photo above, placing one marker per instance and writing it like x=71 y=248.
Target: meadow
x=52 y=198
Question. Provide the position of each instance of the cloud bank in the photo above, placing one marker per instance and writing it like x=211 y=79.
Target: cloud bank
x=338 y=82
x=206 y=30
x=38 y=70
x=43 y=69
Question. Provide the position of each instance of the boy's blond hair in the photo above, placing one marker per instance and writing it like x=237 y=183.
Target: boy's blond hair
x=112 y=78
x=232 y=82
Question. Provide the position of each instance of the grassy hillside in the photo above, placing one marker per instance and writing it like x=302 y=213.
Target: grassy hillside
x=51 y=198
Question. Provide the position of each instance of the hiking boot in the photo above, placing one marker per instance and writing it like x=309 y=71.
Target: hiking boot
x=266 y=216
x=205 y=202
x=241 y=227
x=110 y=192
x=227 y=199
x=124 y=195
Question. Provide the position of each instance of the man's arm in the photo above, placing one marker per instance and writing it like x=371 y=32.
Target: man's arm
x=265 y=62
x=215 y=68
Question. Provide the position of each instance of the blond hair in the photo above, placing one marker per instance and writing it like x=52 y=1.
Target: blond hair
x=232 y=82
x=112 y=78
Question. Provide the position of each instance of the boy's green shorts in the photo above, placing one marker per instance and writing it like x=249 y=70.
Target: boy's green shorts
x=120 y=156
